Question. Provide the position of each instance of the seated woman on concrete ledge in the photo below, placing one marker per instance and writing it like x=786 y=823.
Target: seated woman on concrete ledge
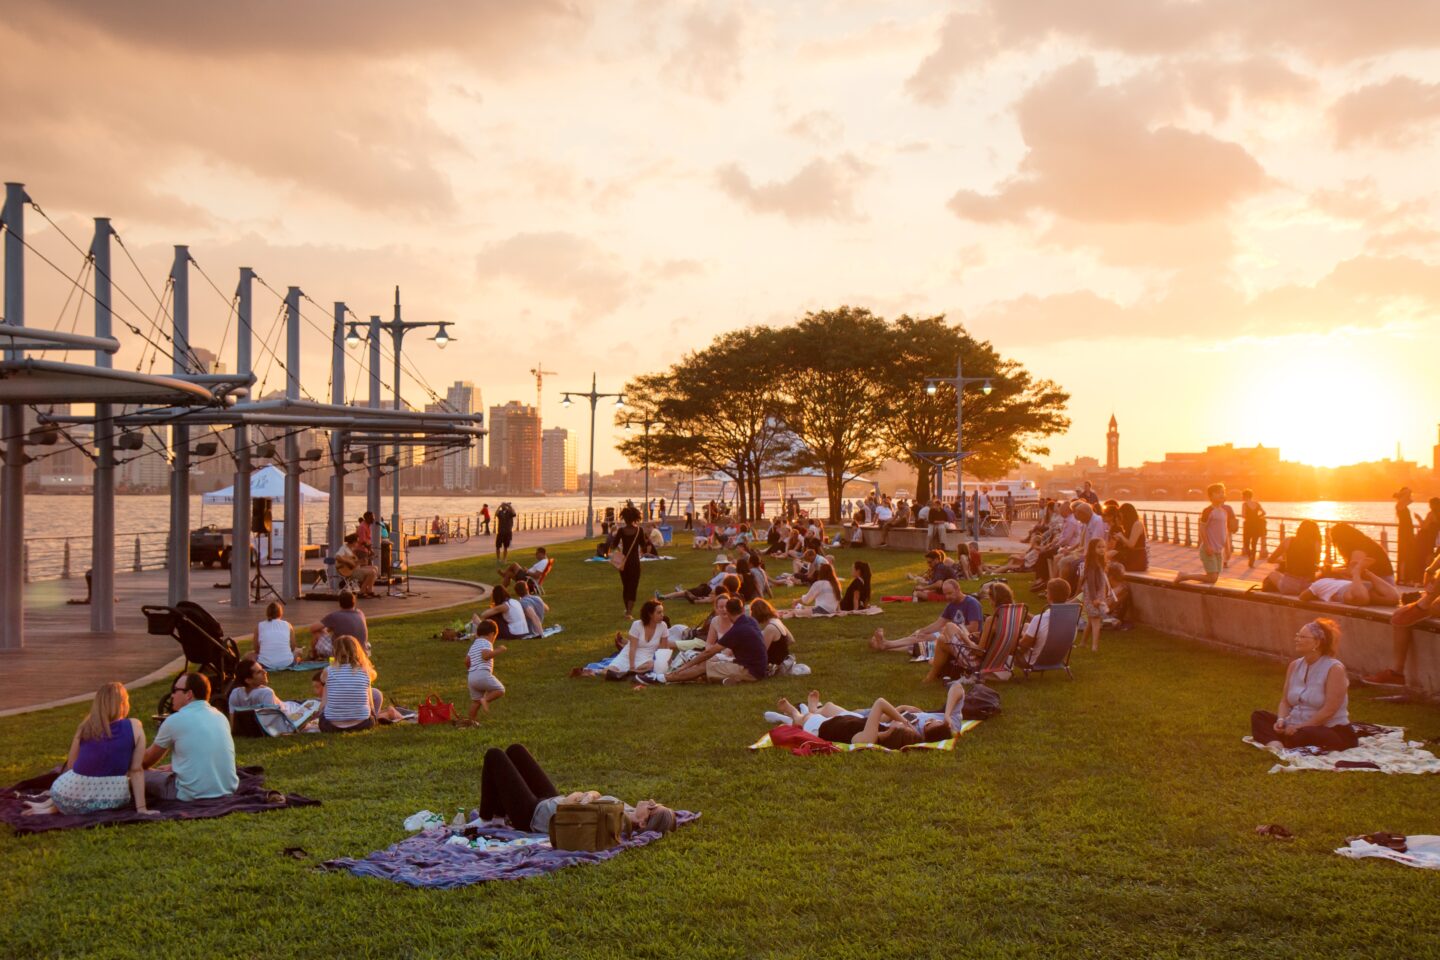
x=1297 y=560
x=1313 y=710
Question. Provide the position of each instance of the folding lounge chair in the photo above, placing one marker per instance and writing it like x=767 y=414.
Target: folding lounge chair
x=540 y=578
x=1009 y=625
x=1063 y=623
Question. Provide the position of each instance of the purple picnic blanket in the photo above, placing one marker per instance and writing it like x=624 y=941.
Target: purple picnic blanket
x=428 y=860
x=250 y=797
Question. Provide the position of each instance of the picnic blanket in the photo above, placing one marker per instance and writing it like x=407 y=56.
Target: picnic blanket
x=547 y=632
x=1421 y=850
x=1385 y=752
x=250 y=797
x=303 y=665
x=786 y=613
x=439 y=859
x=802 y=744
x=663 y=556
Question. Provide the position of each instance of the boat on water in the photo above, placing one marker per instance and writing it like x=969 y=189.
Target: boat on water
x=1022 y=491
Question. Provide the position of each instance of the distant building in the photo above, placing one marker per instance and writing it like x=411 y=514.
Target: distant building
x=515 y=447
x=557 y=461
x=459 y=468
x=1112 y=446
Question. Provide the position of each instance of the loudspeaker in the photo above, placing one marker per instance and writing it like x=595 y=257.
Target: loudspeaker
x=260 y=519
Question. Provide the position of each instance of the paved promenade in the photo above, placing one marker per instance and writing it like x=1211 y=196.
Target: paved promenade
x=63 y=661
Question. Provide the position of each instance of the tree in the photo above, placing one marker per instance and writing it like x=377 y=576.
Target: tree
x=833 y=366
x=1001 y=429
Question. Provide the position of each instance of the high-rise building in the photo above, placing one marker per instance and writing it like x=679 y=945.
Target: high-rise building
x=1112 y=446
x=459 y=467
x=515 y=447
x=557 y=461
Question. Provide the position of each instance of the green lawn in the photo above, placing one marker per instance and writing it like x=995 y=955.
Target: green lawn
x=1109 y=816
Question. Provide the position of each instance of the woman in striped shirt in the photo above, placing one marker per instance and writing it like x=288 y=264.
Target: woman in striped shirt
x=347 y=704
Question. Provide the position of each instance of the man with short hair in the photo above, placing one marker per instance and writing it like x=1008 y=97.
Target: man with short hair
x=746 y=643
x=348 y=564
x=349 y=620
x=884 y=517
x=1088 y=494
x=202 y=762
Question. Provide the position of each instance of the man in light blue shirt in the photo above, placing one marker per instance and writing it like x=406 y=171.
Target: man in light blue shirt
x=202 y=765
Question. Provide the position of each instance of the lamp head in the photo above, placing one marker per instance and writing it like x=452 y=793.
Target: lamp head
x=931 y=388
x=620 y=400
x=565 y=400
x=352 y=336
x=441 y=336
x=987 y=388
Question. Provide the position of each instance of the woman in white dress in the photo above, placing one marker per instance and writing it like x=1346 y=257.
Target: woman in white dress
x=647 y=635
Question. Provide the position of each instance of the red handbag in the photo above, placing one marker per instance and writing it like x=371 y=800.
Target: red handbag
x=434 y=710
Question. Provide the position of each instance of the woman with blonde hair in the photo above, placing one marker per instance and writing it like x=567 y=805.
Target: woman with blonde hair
x=103 y=770
x=1314 y=708
x=348 y=703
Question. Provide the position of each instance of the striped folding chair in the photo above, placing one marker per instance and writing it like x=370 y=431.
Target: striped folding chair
x=1009 y=624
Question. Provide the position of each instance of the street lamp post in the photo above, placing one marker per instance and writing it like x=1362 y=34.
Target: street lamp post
x=932 y=386
x=594 y=398
x=647 y=421
x=397 y=329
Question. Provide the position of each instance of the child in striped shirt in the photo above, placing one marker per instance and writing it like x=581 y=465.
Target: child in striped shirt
x=485 y=687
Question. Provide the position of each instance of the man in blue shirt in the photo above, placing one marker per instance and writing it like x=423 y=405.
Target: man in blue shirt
x=202 y=763
x=746 y=644
x=962 y=616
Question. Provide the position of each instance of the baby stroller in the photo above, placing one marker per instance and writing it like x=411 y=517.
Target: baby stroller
x=204 y=644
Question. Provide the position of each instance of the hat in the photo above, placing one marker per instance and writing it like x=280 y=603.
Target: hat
x=721 y=560
x=1402 y=492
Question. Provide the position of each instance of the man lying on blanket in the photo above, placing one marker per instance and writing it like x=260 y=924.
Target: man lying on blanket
x=883 y=724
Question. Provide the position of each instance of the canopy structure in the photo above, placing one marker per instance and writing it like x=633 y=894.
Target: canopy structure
x=267 y=483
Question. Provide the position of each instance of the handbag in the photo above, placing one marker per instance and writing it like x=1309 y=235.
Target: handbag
x=587 y=826
x=435 y=710
x=617 y=557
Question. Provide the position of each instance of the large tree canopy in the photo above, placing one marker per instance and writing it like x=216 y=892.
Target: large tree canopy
x=839 y=392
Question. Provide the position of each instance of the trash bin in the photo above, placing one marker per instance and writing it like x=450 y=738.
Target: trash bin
x=665 y=531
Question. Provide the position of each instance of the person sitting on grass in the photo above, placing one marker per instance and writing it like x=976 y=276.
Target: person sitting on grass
x=251 y=690
x=515 y=790
x=961 y=613
x=719 y=620
x=1217 y=525
x=103 y=770
x=938 y=569
x=779 y=641
x=535 y=607
x=275 y=644
x=958 y=653
x=382 y=712
x=883 y=725
x=824 y=593
x=857 y=591
x=1122 y=606
x=348 y=620
x=1297 y=559
x=647 y=635
x=1037 y=631
x=511 y=617
x=933 y=726
x=1314 y=707
x=705 y=537
x=485 y=687
x=701 y=592
x=744 y=644
x=348 y=705
x=202 y=763
x=1095 y=585
x=749 y=587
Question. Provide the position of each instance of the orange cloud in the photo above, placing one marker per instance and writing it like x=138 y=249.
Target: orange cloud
x=1093 y=156
x=1401 y=112
x=560 y=266
x=821 y=190
x=707 y=61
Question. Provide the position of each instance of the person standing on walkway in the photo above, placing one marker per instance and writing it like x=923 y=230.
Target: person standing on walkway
x=626 y=540
x=485 y=519
x=1252 y=517
x=504 y=531
x=1406 y=568
x=690 y=513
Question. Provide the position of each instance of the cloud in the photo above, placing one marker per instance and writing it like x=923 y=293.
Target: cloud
x=1322 y=31
x=1093 y=157
x=821 y=190
x=560 y=266
x=707 y=61
x=1399 y=113
x=817 y=126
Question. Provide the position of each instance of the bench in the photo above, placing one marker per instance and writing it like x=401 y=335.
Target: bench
x=1236 y=613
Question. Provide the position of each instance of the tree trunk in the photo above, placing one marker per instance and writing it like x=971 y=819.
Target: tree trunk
x=834 y=488
x=922 y=481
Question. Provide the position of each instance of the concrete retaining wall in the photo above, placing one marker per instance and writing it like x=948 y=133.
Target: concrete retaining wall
x=1266 y=624
x=910 y=538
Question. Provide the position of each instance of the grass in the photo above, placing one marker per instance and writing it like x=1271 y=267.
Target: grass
x=1112 y=815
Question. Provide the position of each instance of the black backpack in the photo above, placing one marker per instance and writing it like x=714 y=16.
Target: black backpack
x=981 y=703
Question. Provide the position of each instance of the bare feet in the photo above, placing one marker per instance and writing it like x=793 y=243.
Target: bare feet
x=785 y=706
x=877 y=639
x=812 y=700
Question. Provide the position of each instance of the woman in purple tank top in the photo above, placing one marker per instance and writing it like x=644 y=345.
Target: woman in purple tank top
x=103 y=770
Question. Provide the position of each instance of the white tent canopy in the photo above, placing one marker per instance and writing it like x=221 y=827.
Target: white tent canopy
x=268 y=483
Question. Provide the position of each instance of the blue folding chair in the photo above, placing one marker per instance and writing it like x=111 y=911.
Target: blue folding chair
x=1062 y=626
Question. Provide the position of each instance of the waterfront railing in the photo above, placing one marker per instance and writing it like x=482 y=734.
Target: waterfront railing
x=1182 y=527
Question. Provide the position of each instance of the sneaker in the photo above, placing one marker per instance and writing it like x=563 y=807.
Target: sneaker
x=1387 y=678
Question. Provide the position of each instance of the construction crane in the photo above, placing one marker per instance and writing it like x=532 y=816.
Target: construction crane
x=540 y=374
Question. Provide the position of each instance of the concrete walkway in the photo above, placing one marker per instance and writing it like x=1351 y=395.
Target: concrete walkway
x=63 y=661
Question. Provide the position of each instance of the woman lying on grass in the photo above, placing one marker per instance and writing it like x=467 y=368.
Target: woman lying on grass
x=102 y=771
x=514 y=789
x=884 y=725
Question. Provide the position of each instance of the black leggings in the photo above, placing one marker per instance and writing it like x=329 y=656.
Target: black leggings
x=511 y=784
x=629 y=582
x=1342 y=737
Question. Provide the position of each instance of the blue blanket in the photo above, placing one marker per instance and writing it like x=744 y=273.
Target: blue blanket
x=429 y=860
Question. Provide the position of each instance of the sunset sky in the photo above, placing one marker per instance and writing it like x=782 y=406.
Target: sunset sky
x=1215 y=219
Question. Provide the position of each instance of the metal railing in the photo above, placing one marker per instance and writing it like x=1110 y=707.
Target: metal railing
x=1182 y=527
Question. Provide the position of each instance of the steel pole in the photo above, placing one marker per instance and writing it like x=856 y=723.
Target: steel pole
x=102 y=513
x=397 y=331
x=240 y=512
x=336 y=534
x=372 y=452
x=647 y=469
x=12 y=422
x=590 y=498
x=180 y=435
x=294 y=509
